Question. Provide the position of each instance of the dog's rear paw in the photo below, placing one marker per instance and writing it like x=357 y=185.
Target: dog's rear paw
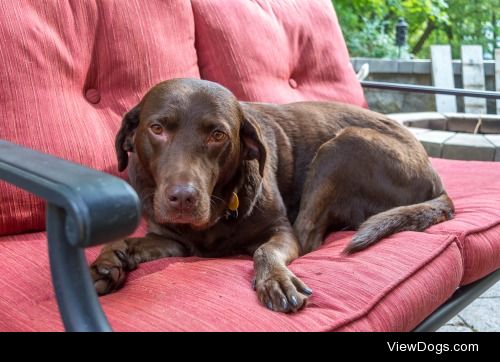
x=109 y=271
x=282 y=291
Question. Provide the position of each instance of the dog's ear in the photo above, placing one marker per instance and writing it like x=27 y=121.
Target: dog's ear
x=253 y=142
x=124 y=141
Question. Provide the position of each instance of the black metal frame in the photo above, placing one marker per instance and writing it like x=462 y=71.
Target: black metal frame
x=415 y=88
x=86 y=207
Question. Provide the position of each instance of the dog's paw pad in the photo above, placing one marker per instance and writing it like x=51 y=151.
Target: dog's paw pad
x=107 y=275
x=282 y=292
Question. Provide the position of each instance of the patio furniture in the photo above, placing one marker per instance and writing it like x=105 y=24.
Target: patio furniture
x=71 y=69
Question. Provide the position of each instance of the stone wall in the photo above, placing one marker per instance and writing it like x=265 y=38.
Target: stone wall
x=413 y=72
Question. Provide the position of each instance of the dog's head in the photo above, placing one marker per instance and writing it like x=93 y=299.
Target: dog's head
x=191 y=138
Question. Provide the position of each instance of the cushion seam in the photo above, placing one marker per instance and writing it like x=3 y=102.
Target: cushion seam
x=462 y=236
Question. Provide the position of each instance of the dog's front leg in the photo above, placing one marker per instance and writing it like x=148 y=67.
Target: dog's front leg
x=277 y=287
x=116 y=259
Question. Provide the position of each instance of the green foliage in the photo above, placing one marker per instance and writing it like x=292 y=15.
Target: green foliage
x=373 y=41
x=369 y=25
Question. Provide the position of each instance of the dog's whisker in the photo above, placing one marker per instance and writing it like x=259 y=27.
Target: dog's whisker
x=217 y=198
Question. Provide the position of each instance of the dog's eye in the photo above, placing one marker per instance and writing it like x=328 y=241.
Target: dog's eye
x=217 y=136
x=156 y=129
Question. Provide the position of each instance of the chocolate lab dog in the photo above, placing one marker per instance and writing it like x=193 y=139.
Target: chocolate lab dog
x=219 y=177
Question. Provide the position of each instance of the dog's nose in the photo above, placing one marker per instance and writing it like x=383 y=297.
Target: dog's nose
x=182 y=197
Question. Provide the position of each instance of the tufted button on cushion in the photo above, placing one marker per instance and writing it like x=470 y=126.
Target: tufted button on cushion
x=292 y=83
x=252 y=46
x=58 y=58
x=93 y=95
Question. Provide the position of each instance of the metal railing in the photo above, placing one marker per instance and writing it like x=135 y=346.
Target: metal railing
x=430 y=89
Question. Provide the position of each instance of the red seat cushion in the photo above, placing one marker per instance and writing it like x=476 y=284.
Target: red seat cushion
x=70 y=70
x=474 y=188
x=388 y=287
x=391 y=286
x=275 y=51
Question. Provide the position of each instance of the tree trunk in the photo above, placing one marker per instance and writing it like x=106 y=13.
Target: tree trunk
x=427 y=32
x=494 y=23
x=449 y=33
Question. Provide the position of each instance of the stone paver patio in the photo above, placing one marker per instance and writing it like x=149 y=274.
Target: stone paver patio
x=482 y=315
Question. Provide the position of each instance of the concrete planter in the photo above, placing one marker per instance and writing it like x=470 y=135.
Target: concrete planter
x=456 y=136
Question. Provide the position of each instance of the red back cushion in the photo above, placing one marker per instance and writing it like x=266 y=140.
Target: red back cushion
x=274 y=50
x=71 y=69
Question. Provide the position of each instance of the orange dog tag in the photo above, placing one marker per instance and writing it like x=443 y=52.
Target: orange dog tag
x=234 y=203
x=232 y=208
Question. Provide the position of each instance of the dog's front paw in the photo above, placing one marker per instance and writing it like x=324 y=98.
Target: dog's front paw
x=109 y=271
x=281 y=291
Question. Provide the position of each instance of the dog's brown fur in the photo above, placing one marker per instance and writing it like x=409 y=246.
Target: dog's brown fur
x=299 y=170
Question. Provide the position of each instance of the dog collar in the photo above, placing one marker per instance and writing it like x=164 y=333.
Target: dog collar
x=232 y=207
